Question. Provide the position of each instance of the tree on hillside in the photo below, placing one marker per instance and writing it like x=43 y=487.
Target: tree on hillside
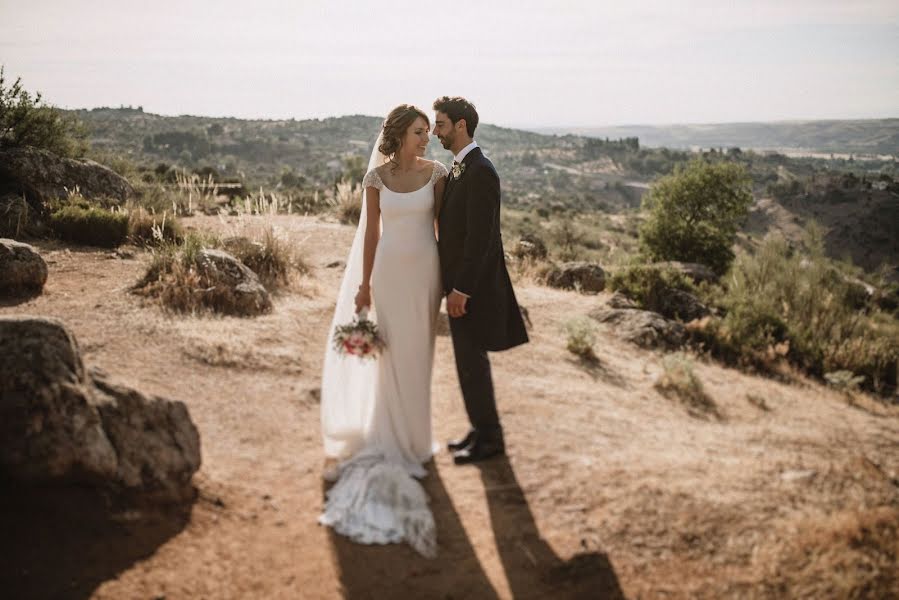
x=25 y=120
x=694 y=213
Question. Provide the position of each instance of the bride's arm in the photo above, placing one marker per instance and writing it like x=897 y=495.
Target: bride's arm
x=372 y=235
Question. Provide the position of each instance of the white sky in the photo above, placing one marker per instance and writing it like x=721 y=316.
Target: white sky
x=523 y=63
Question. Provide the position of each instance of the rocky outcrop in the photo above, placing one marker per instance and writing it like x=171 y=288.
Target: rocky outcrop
x=642 y=327
x=41 y=175
x=682 y=305
x=584 y=276
x=621 y=300
x=22 y=270
x=245 y=293
x=60 y=424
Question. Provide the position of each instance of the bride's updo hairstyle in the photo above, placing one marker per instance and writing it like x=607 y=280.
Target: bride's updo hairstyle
x=395 y=126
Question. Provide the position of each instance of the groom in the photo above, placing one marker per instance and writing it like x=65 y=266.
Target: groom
x=480 y=302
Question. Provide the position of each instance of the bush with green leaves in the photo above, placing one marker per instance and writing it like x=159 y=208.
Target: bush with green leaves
x=581 y=335
x=678 y=380
x=650 y=285
x=780 y=302
x=25 y=120
x=693 y=215
x=91 y=226
x=151 y=229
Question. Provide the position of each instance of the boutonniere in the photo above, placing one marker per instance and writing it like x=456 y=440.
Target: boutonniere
x=458 y=169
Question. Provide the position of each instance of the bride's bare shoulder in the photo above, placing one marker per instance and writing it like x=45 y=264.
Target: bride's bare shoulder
x=429 y=165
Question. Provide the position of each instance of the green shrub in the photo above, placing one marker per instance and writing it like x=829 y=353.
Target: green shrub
x=90 y=226
x=145 y=229
x=779 y=303
x=679 y=381
x=581 y=336
x=25 y=120
x=695 y=213
x=649 y=286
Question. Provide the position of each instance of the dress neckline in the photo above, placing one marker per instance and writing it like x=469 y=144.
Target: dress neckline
x=427 y=183
x=412 y=192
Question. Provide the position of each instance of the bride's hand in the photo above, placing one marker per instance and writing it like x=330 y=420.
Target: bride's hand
x=363 y=298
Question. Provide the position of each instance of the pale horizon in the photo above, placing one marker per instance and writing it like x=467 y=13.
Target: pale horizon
x=526 y=65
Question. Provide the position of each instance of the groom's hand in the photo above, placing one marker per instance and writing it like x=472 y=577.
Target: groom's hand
x=455 y=304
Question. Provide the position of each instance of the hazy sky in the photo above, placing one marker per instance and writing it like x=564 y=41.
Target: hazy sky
x=523 y=63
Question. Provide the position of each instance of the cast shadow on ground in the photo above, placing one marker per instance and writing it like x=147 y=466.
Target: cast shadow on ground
x=598 y=371
x=63 y=542
x=532 y=568
x=397 y=571
x=20 y=298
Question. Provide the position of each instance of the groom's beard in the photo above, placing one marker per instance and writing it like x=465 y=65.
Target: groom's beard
x=446 y=142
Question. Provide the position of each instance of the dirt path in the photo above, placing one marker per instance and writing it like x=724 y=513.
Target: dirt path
x=609 y=489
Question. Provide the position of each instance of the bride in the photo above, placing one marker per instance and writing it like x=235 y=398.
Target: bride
x=376 y=415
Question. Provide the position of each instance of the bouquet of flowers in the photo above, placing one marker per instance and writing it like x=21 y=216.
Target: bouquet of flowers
x=358 y=338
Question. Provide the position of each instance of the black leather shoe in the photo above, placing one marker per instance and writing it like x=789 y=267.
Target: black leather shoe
x=455 y=446
x=478 y=451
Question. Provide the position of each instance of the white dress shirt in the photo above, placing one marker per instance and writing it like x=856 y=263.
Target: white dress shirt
x=464 y=151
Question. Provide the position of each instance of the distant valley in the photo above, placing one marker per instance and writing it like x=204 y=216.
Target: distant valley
x=868 y=136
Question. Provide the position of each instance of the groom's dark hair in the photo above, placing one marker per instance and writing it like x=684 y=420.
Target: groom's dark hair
x=457 y=108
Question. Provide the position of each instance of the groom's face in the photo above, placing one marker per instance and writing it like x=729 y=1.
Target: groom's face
x=444 y=130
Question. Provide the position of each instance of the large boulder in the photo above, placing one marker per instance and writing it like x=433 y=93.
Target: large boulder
x=22 y=270
x=155 y=441
x=60 y=424
x=584 y=276
x=41 y=175
x=642 y=327
x=246 y=294
x=682 y=305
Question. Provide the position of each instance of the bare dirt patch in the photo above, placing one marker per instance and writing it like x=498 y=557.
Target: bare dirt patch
x=609 y=490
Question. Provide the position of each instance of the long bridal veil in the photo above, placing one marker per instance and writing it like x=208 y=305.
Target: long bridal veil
x=348 y=384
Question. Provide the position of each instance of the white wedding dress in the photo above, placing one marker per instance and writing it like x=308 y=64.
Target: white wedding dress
x=376 y=415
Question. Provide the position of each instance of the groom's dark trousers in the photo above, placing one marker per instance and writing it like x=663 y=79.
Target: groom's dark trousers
x=476 y=381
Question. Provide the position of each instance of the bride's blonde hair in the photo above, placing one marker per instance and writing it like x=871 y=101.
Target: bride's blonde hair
x=395 y=126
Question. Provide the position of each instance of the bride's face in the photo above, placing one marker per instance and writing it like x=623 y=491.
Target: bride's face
x=416 y=139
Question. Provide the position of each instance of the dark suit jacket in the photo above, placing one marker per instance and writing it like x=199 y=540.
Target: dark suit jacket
x=471 y=255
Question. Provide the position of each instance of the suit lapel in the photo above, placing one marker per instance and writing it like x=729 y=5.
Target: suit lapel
x=452 y=183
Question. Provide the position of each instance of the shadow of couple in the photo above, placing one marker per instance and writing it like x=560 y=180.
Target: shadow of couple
x=532 y=569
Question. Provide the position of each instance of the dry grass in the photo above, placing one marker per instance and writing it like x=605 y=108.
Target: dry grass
x=262 y=245
x=182 y=282
x=15 y=216
x=267 y=256
x=347 y=202
x=149 y=229
x=849 y=554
